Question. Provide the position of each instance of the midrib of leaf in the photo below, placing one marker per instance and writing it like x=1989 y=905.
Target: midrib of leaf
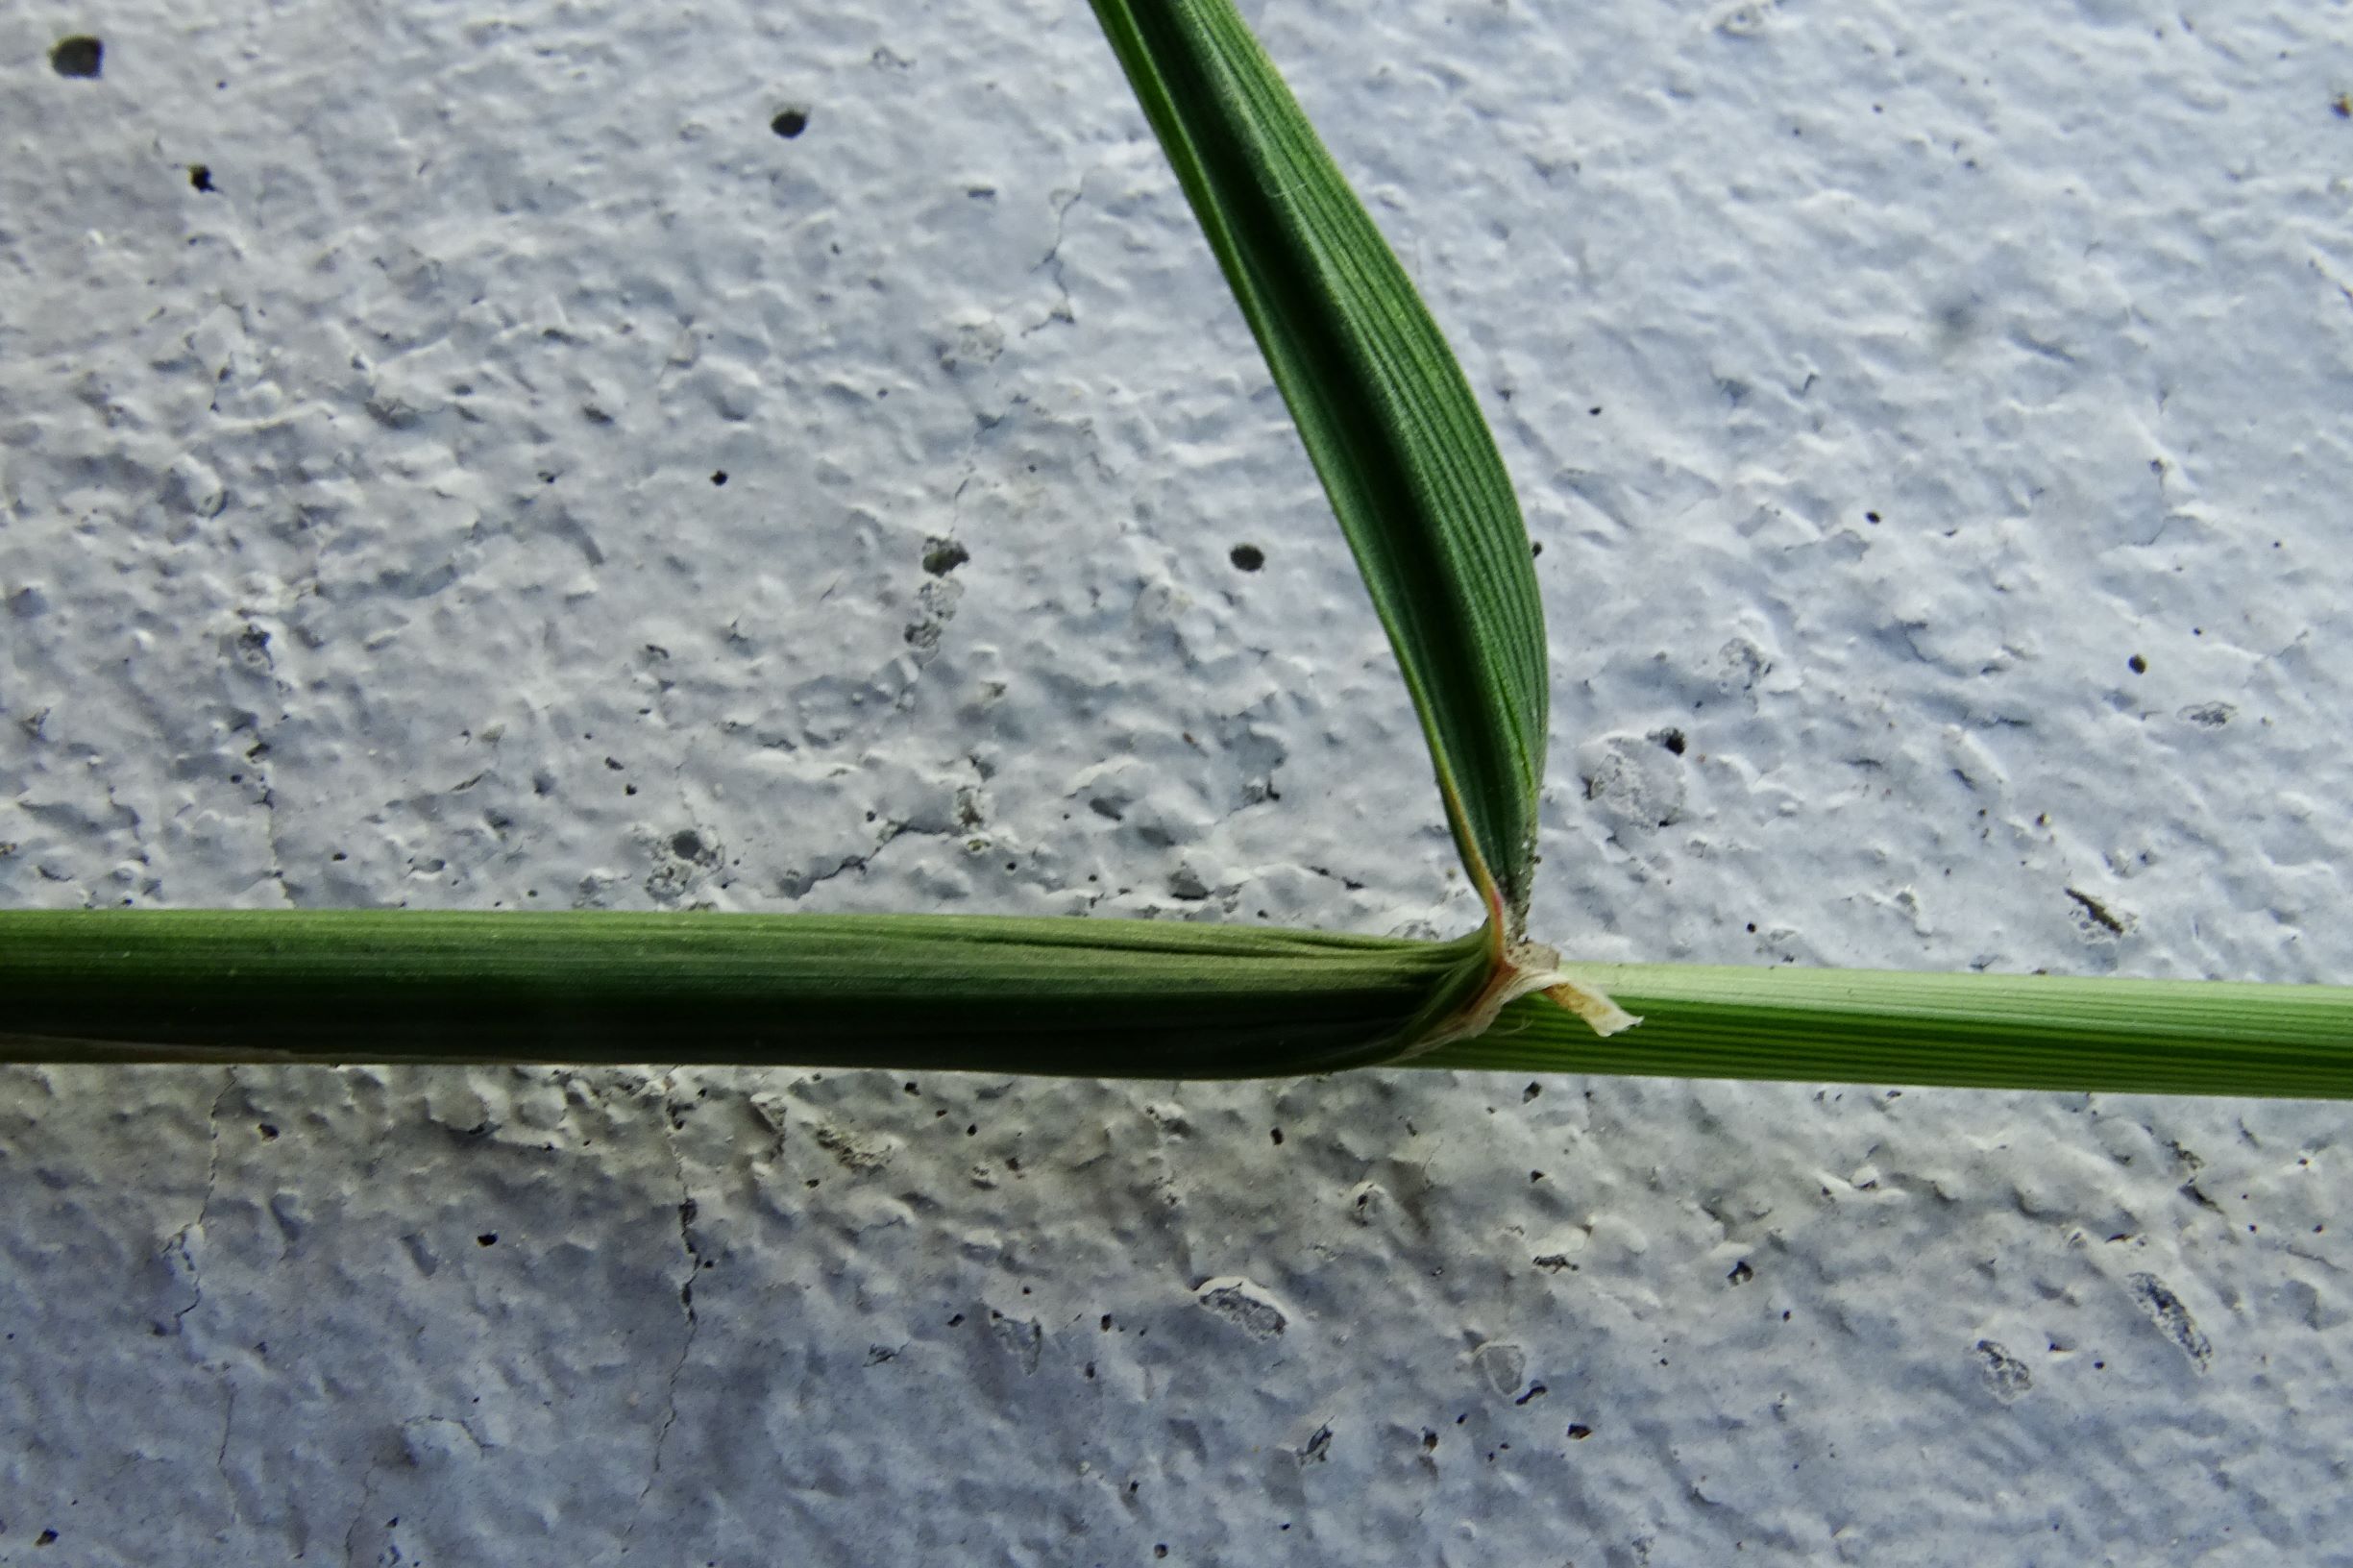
x=1382 y=409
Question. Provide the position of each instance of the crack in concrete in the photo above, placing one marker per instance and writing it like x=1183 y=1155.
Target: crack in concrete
x=687 y=1209
x=212 y=1175
x=1052 y=259
x=220 y=1455
x=254 y=642
x=367 y=1495
x=269 y=837
x=797 y=884
x=196 y=1286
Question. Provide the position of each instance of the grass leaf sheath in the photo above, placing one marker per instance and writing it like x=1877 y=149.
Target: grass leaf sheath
x=1083 y=997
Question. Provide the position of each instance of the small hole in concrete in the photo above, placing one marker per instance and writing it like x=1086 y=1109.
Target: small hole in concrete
x=76 y=56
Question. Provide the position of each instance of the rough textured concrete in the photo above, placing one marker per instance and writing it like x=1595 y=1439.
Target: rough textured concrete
x=1934 y=430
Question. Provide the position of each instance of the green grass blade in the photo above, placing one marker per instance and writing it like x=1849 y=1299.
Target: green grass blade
x=1982 y=1031
x=1080 y=997
x=1382 y=407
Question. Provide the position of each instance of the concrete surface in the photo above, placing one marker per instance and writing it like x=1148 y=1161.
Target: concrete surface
x=1934 y=426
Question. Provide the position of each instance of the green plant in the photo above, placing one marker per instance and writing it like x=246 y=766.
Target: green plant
x=1421 y=494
